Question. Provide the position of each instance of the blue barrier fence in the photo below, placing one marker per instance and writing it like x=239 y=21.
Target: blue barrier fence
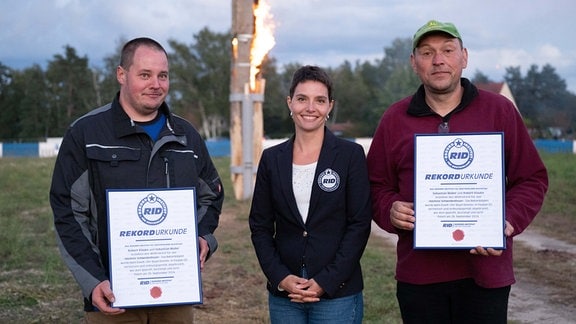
x=20 y=149
x=555 y=146
x=218 y=148
x=221 y=147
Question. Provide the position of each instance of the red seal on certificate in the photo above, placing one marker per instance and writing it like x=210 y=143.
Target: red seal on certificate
x=458 y=235
x=155 y=292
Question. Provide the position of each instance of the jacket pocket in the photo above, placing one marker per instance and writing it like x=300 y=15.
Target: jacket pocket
x=117 y=167
x=113 y=154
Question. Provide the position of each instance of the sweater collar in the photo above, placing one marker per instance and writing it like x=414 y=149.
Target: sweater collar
x=419 y=108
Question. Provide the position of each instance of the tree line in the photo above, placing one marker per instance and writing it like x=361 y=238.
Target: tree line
x=41 y=102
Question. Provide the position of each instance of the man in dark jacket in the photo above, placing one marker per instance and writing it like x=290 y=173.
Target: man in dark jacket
x=132 y=143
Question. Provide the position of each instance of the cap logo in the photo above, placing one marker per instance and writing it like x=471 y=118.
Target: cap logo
x=432 y=26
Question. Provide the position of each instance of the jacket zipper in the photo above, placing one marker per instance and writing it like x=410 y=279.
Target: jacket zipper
x=167 y=172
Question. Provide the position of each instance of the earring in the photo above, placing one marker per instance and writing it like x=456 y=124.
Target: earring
x=327 y=116
x=290 y=113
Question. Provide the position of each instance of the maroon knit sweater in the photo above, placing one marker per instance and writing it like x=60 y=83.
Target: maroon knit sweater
x=391 y=168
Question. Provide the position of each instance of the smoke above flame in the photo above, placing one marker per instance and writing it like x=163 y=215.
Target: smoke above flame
x=263 y=40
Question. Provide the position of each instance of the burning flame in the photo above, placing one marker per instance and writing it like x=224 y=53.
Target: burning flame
x=263 y=40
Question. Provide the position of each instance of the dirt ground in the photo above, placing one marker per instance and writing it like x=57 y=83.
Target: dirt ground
x=534 y=299
x=543 y=295
x=226 y=297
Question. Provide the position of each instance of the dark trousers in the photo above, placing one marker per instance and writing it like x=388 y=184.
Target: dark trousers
x=454 y=302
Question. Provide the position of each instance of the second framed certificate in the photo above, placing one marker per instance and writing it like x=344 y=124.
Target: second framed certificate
x=459 y=191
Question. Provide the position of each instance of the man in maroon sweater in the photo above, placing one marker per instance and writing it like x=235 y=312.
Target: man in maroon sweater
x=450 y=285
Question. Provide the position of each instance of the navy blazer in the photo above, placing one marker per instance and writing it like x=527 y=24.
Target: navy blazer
x=331 y=242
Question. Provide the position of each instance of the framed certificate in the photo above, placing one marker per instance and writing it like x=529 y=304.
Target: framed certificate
x=153 y=241
x=459 y=198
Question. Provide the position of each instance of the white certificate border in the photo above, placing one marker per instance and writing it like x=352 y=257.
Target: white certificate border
x=194 y=243
x=503 y=191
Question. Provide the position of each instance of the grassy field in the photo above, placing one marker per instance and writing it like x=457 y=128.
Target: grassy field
x=35 y=286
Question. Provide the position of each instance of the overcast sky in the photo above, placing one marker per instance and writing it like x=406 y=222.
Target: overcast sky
x=497 y=33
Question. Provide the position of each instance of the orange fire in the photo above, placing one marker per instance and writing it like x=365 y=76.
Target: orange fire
x=263 y=40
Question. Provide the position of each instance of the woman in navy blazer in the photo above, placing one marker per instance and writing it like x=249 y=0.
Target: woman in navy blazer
x=311 y=213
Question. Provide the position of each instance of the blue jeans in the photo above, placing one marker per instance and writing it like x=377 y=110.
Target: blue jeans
x=344 y=310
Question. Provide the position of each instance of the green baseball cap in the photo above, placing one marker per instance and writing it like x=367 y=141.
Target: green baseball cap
x=435 y=26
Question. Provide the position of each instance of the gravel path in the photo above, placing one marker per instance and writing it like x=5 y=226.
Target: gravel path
x=528 y=303
x=531 y=303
